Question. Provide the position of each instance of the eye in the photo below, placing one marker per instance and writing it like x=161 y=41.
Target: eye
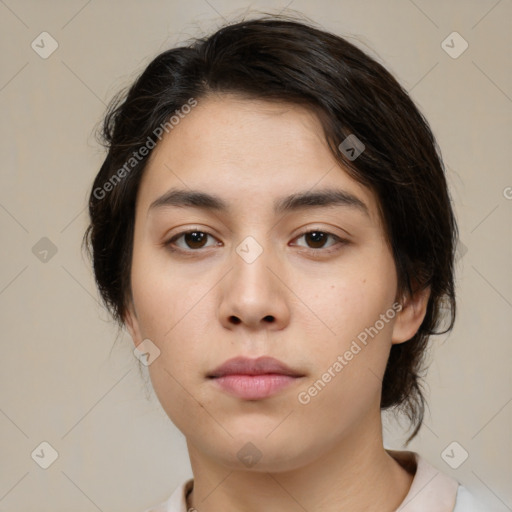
x=316 y=239
x=193 y=239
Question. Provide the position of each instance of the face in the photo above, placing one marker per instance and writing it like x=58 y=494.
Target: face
x=250 y=240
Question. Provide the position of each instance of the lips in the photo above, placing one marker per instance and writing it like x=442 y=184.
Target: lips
x=253 y=379
x=260 y=366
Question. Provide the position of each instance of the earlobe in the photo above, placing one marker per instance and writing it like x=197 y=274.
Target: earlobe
x=411 y=316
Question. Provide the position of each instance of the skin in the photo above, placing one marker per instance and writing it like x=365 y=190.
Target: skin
x=299 y=301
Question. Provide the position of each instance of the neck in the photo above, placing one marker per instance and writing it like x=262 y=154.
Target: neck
x=356 y=474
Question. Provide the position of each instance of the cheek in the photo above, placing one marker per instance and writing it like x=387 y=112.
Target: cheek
x=177 y=322
x=351 y=338
x=344 y=306
x=170 y=312
x=163 y=296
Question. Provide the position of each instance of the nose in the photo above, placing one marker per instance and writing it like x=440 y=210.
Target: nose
x=255 y=294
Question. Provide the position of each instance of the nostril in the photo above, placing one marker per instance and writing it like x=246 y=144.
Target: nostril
x=269 y=318
x=235 y=319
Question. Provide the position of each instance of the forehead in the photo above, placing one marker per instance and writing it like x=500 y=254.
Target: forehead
x=247 y=150
x=227 y=129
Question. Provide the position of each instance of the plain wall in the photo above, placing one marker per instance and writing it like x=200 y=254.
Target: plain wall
x=63 y=378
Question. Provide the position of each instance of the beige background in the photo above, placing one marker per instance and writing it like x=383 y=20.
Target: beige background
x=64 y=381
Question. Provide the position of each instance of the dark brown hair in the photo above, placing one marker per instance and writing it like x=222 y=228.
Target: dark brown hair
x=276 y=58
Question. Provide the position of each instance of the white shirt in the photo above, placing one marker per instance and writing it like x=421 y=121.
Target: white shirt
x=431 y=490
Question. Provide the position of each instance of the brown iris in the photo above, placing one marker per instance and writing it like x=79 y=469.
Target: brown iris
x=317 y=237
x=195 y=239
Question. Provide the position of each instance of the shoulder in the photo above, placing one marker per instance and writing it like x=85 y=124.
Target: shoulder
x=177 y=501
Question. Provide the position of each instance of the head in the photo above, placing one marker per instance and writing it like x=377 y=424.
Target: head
x=272 y=190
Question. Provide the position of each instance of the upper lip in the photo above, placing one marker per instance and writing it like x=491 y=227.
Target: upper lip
x=260 y=366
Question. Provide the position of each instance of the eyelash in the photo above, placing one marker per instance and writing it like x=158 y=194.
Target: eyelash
x=188 y=252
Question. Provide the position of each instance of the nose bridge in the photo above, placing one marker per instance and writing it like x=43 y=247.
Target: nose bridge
x=253 y=295
x=251 y=275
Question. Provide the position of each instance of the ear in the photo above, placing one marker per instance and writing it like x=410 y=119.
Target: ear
x=132 y=324
x=409 y=318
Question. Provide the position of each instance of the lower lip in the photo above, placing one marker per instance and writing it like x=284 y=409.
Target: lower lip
x=254 y=387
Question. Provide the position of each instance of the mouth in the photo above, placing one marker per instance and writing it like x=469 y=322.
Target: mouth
x=253 y=379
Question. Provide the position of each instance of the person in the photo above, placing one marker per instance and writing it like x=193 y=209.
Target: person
x=273 y=226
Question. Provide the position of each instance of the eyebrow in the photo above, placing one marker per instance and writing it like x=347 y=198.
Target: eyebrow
x=297 y=201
